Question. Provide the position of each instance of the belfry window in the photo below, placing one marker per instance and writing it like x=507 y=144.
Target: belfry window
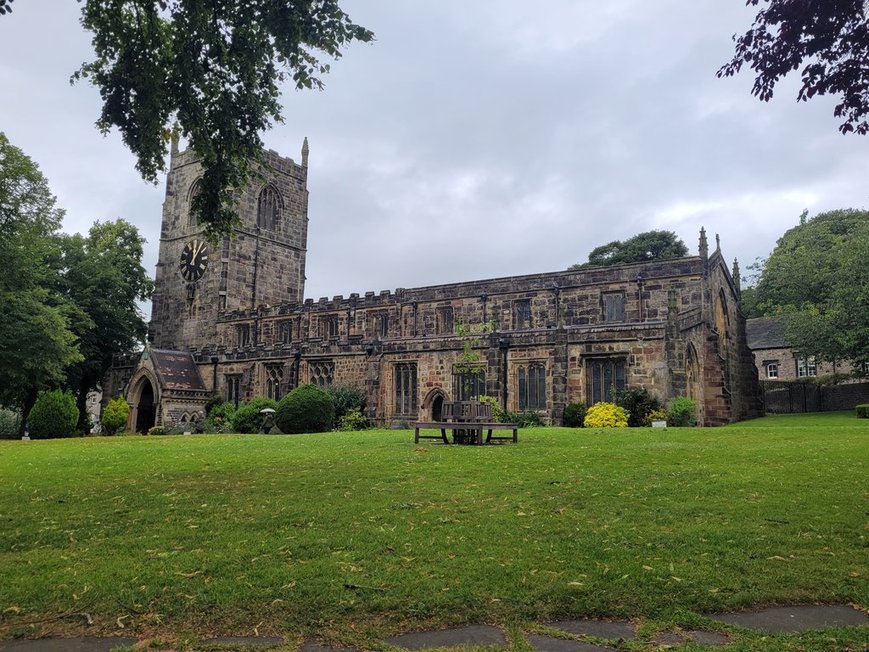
x=268 y=210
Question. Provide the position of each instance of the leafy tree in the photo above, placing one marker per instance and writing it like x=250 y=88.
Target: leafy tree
x=208 y=71
x=649 y=245
x=829 y=39
x=818 y=276
x=102 y=276
x=36 y=343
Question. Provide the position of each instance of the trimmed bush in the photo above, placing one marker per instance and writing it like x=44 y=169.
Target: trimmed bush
x=606 y=415
x=682 y=413
x=219 y=419
x=10 y=422
x=54 y=415
x=863 y=411
x=353 y=419
x=574 y=415
x=115 y=415
x=156 y=431
x=213 y=401
x=639 y=403
x=306 y=409
x=247 y=418
x=657 y=415
x=346 y=398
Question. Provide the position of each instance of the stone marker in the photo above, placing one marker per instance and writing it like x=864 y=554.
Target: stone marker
x=549 y=644
x=470 y=635
x=611 y=629
x=798 y=618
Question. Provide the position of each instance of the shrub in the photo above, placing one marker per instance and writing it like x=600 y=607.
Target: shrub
x=115 y=415
x=213 y=401
x=353 y=419
x=574 y=414
x=247 y=418
x=306 y=409
x=639 y=403
x=522 y=419
x=863 y=411
x=606 y=415
x=498 y=414
x=219 y=419
x=682 y=413
x=346 y=398
x=657 y=415
x=156 y=431
x=10 y=423
x=54 y=415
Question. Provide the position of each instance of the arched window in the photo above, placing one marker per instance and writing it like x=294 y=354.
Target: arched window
x=268 y=210
x=195 y=190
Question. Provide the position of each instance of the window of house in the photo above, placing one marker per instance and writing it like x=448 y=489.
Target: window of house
x=268 y=208
x=405 y=388
x=532 y=387
x=444 y=320
x=285 y=332
x=614 y=307
x=243 y=335
x=522 y=314
x=603 y=377
x=866 y=368
x=274 y=378
x=233 y=388
x=772 y=369
x=806 y=367
x=469 y=384
x=322 y=372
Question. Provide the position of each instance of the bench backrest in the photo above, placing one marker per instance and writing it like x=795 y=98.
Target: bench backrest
x=460 y=411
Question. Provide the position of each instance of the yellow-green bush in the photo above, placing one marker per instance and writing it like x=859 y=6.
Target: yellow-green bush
x=606 y=415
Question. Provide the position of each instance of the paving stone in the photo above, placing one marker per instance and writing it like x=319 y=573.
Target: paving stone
x=548 y=644
x=798 y=618
x=611 y=629
x=83 y=644
x=707 y=638
x=669 y=638
x=470 y=635
x=244 y=640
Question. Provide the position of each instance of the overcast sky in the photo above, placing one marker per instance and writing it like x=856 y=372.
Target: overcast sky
x=478 y=139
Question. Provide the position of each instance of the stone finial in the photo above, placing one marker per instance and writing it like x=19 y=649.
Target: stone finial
x=704 y=245
x=305 y=151
x=735 y=273
x=173 y=148
x=717 y=243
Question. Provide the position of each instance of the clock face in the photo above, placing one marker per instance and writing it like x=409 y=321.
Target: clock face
x=194 y=260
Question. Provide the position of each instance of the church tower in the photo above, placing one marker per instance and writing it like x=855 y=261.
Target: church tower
x=261 y=263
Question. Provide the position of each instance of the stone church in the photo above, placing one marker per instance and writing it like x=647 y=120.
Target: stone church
x=232 y=320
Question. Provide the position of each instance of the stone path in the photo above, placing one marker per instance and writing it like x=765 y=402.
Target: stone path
x=797 y=618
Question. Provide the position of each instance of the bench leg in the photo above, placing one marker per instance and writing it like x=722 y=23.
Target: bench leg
x=416 y=435
x=444 y=435
x=515 y=435
x=488 y=436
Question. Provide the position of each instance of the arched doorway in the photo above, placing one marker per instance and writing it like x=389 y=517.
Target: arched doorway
x=433 y=404
x=145 y=407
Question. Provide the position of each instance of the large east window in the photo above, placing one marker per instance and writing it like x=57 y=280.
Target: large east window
x=604 y=376
x=532 y=386
x=405 y=388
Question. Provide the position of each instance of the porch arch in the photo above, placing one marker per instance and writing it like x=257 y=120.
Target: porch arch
x=433 y=404
x=144 y=399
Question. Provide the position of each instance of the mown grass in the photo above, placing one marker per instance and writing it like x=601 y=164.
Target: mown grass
x=355 y=536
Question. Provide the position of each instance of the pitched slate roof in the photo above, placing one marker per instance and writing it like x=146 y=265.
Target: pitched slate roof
x=766 y=333
x=176 y=370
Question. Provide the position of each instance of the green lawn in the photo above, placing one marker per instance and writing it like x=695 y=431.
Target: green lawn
x=354 y=536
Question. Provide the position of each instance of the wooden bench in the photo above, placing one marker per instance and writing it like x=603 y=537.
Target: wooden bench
x=467 y=420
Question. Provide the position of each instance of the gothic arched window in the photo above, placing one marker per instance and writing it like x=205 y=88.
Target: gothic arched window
x=268 y=210
x=195 y=190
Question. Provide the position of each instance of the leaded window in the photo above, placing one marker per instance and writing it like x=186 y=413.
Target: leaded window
x=522 y=314
x=268 y=209
x=604 y=377
x=381 y=324
x=614 y=307
x=285 y=332
x=405 y=388
x=329 y=328
x=532 y=386
x=322 y=372
x=233 y=388
x=274 y=378
x=243 y=335
x=469 y=384
x=444 y=321
x=806 y=368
